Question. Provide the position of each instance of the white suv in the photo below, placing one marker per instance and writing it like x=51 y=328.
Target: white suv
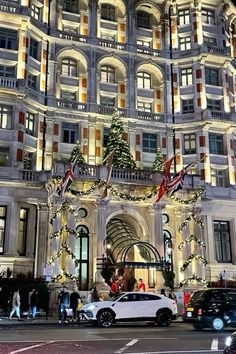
x=131 y=306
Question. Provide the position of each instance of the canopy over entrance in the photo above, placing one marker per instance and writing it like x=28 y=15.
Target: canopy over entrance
x=126 y=249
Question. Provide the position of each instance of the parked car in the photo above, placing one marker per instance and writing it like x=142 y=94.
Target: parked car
x=213 y=308
x=230 y=344
x=131 y=306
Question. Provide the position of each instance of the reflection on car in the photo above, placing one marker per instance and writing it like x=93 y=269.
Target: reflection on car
x=212 y=308
x=132 y=306
x=230 y=344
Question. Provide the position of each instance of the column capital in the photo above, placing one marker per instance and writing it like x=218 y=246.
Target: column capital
x=103 y=202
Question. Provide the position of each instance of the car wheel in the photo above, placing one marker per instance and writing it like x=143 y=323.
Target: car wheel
x=218 y=324
x=105 y=318
x=198 y=326
x=164 y=318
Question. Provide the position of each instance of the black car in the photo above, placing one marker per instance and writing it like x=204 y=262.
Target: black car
x=212 y=308
x=230 y=344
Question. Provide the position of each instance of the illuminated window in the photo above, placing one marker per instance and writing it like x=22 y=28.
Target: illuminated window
x=68 y=95
x=8 y=39
x=144 y=80
x=208 y=16
x=28 y=160
x=108 y=101
x=69 y=67
x=71 y=6
x=186 y=77
x=144 y=106
x=184 y=17
x=3 y=218
x=22 y=235
x=69 y=133
x=185 y=43
x=214 y=105
x=108 y=74
x=34 y=48
x=7 y=71
x=35 y=12
x=219 y=178
x=189 y=144
x=187 y=106
x=216 y=144
x=29 y=123
x=32 y=81
x=4 y=156
x=82 y=255
x=212 y=76
x=149 y=142
x=6 y=115
x=144 y=43
x=143 y=19
x=108 y=12
x=222 y=241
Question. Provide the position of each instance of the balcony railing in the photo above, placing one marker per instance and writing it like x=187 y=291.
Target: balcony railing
x=216 y=50
x=73 y=36
x=8 y=6
x=61 y=103
x=220 y=115
x=110 y=110
x=8 y=82
x=110 y=44
x=150 y=116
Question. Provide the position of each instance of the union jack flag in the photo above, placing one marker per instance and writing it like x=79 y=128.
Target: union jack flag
x=178 y=180
x=109 y=160
x=67 y=179
x=165 y=180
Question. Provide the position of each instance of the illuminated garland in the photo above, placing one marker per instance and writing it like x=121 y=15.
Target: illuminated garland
x=190 y=239
x=65 y=274
x=194 y=278
x=190 y=259
x=64 y=206
x=128 y=197
x=187 y=221
x=55 y=256
x=187 y=201
x=63 y=228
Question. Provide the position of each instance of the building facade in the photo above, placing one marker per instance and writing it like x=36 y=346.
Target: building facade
x=169 y=69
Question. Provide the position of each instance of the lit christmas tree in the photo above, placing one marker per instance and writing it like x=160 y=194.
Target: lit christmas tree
x=122 y=155
x=76 y=154
x=158 y=163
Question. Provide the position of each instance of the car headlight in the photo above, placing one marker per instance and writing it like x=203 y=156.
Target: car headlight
x=228 y=341
x=90 y=307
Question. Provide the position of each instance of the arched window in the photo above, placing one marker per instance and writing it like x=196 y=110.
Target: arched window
x=143 y=19
x=108 y=12
x=107 y=74
x=69 y=67
x=144 y=80
x=82 y=256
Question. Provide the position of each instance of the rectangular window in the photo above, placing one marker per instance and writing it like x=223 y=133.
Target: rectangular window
x=189 y=144
x=216 y=144
x=143 y=19
x=144 y=106
x=210 y=40
x=7 y=71
x=29 y=123
x=208 y=16
x=34 y=48
x=144 y=80
x=186 y=77
x=68 y=95
x=69 y=67
x=185 y=43
x=108 y=101
x=212 y=76
x=149 y=142
x=214 y=105
x=6 y=115
x=108 y=12
x=35 y=12
x=222 y=241
x=22 y=236
x=107 y=74
x=184 y=17
x=4 y=156
x=105 y=136
x=32 y=81
x=28 y=161
x=144 y=43
x=219 y=178
x=187 y=106
x=69 y=133
x=3 y=218
x=8 y=39
x=71 y=6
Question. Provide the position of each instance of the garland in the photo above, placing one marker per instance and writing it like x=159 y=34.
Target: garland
x=64 y=248
x=187 y=201
x=193 y=278
x=64 y=206
x=187 y=221
x=190 y=259
x=64 y=273
x=190 y=239
x=60 y=231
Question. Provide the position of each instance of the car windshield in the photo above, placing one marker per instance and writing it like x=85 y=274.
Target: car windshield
x=115 y=298
x=198 y=296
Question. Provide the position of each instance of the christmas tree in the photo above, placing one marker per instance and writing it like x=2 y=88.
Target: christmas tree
x=158 y=164
x=122 y=155
x=76 y=154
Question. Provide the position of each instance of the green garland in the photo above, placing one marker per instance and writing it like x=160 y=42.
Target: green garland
x=190 y=239
x=187 y=201
x=63 y=228
x=190 y=259
x=187 y=221
x=194 y=278
x=65 y=274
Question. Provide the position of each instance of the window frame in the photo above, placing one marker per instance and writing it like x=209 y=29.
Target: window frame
x=209 y=16
x=24 y=231
x=189 y=144
x=71 y=6
x=106 y=100
x=34 y=49
x=184 y=16
x=185 y=43
x=71 y=130
x=108 y=74
x=5 y=73
x=10 y=39
x=187 y=106
x=144 y=80
x=68 y=96
x=143 y=19
x=212 y=76
x=108 y=12
x=32 y=81
x=3 y=219
x=144 y=106
x=216 y=144
x=35 y=12
x=213 y=105
x=5 y=151
x=69 y=67
x=149 y=139
x=6 y=116
x=223 y=253
x=219 y=178
x=186 y=76
x=30 y=123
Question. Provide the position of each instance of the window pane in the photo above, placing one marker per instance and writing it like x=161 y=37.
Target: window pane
x=222 y=241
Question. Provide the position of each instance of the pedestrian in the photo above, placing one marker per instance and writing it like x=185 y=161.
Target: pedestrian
x=163 y=292
x=29 y=307
x=114 y=288
x=75 y=300
x=141 y=285
x=15 y=305
x=94 y=295
x=172 y=295
x=63 y=304
x=34 y=301
x=47 y=302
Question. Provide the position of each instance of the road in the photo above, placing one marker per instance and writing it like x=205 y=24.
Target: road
x=127 y=339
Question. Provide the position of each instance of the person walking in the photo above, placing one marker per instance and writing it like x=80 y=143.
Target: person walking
x=114 y=288
x=141 y=285
x=34 y=300
x=94 y=295
x=15 y=305
x=75 y=300
x=163 y=292
x=172 y=295
x=63 y=303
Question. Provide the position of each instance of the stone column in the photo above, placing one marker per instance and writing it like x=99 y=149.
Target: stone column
x=13 y=231
x=156 y=227
x=53 y=14
x=41 y=239
x=131 y=88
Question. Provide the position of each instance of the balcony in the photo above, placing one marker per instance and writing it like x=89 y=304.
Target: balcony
x=153 y=52
x=74 y=105
x=109 y=110
x=10 y=6
x=8 y=82
x=110 y=44
x=209 y=48
x=218 y=115
x=151 y=116
x=73 y=37
x=10 y=174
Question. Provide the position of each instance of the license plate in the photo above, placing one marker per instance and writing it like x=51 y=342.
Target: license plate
x=189 y=309
x=189 y=314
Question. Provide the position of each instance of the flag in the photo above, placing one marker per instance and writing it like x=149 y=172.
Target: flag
x=109 y=160
x=67 y=179
x=165 y=180
x=178 y=180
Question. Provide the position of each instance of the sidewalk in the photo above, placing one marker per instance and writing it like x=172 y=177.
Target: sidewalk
x=4 y=321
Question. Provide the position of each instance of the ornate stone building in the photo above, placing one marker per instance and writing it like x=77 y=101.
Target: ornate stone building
x=169 y=68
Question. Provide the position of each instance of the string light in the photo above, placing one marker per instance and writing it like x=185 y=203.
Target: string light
x=187 y=201
x=194 y=278
x=190 y=239
x=190 y=259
